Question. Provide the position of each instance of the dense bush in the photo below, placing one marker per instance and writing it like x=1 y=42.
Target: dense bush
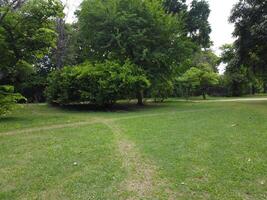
x=162 y=90
x=8 y=99
x=100 y=83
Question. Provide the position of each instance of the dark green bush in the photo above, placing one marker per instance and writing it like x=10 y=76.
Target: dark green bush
x=8 y=99
x=161 y=90
x=100 y=83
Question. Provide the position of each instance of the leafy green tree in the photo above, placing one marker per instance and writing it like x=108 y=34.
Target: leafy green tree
x=206 y=57
x=249 y=18
x=138 y=30
x=237 y=78
x=197 y=23
x=175 y=6
x=26 y=35
x=99 y=83
x=199 y=78
x=162 y=90
x=196 y=19
x=67 y=51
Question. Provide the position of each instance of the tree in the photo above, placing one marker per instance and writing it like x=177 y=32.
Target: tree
x=250 y=20
x=197 y=23
x=7 y=6
x=237 y=77
x=162 y=90
x=137 y=30
x=99 y=83
x=26 y=35
x=205 y=57
x=199 y=78
x=196 y=19
x=67 y=51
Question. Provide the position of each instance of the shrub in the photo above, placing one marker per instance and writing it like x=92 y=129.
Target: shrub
x=161 y=90
x=8 y=99
x=100 y=83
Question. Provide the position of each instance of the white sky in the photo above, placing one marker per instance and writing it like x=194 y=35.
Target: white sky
x=220 y=12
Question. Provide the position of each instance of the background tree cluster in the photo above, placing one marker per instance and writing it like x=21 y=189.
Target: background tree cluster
x=246 y=59
x=163 y=39
x=26 y=35
x=166 y=41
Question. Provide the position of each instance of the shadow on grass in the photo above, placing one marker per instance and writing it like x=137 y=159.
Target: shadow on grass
x=12 y=119
x=118 y=107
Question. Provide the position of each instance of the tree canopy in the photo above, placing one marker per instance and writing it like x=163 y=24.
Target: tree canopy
x=200 y=78
x=137 y=30
x=250 y=20
x=26 y=35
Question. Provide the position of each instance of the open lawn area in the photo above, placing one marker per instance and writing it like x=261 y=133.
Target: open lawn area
x=175 y=150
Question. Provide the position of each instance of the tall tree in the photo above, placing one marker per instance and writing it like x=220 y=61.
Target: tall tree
x=197 y=23
x=236 y=77
x=196 y=19
x=138 y=30
x=26 y=35
x=250 y=20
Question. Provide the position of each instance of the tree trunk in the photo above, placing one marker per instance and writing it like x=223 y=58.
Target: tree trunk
x=253 y=90
x=140 y=96
x=204 y=95
x=61 y=43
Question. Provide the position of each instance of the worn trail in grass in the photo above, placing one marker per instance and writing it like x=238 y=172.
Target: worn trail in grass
x=143 y=180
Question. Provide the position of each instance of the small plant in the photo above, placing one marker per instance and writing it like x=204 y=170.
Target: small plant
x=8 y=99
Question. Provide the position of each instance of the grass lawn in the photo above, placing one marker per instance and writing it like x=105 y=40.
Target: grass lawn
x=174 y=150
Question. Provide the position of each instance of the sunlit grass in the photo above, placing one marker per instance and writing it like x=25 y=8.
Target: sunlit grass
x=204 y=150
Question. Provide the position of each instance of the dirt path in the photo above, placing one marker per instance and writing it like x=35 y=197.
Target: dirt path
x=143 y=180
x=49 y=127
x=92 y=121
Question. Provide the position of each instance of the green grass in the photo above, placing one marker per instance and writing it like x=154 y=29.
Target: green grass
x=42 y=165
x=203 y=151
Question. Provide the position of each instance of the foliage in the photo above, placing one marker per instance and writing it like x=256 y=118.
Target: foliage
x=199 y=78
x=26 y=35
x=201 y=59
x=8 y=99
x=197 y=23
x=249 y=18
x=99 y=83
x=175 y=6
x=162 y=90
x=206 y=57
x=195 y=17
x=67 y=51
x=239 y=80
x=137 y=30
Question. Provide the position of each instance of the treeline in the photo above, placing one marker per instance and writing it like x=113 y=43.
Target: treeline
x=121 y=49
